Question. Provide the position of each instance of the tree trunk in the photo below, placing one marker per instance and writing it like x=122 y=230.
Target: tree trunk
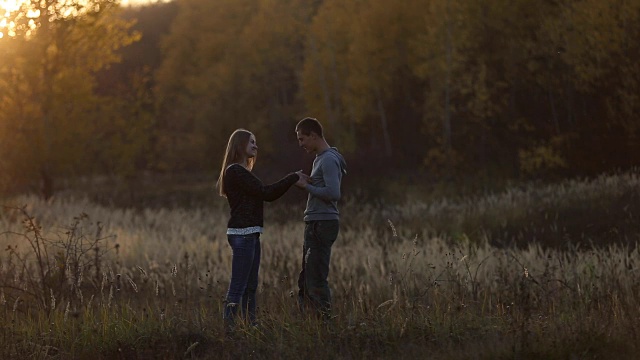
x=554 y=112
x=47 y=184
x=446 y=120
x=385 y=125
x=46 y=89
x=325 y=87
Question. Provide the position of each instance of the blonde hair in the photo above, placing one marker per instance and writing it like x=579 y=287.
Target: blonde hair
x=235 y=153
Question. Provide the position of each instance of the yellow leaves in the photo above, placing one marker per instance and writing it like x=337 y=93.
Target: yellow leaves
x=440 y=160
x=593 y=35
x=520 y=124
x=231 y=63
x=96 y=40
x=50 y=92
x=484 y=91
x=542 y=157
x=353 y=64
x=485 y=75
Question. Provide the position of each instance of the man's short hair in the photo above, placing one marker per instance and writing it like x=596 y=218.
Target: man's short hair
x=308 y=125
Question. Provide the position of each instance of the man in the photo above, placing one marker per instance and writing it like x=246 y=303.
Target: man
x=321 y=217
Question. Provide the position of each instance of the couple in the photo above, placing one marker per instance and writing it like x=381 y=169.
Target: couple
x=246 y=195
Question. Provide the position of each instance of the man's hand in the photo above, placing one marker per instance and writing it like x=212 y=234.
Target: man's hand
x=303 y=179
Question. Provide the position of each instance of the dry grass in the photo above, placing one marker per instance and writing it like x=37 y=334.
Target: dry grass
x=402 y=288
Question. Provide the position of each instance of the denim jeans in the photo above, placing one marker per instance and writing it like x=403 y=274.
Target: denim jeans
x=244 y=278
x=313 y=287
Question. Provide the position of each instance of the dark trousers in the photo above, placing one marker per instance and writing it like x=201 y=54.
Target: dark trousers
x=245 y=265
x=313 y=287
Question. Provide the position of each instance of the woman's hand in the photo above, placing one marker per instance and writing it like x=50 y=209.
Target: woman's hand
x=303 y=179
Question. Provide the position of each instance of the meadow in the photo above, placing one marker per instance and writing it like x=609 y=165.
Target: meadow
x=529 y=272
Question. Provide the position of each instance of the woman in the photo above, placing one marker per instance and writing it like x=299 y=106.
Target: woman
x=246 y=195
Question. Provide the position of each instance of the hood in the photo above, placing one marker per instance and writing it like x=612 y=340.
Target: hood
x=343 y=164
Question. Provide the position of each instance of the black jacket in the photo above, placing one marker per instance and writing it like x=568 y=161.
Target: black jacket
x=246 y=195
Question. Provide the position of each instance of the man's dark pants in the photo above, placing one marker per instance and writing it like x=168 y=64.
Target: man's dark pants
x=313 y=286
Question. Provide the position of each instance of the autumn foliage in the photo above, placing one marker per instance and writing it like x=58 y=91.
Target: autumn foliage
x=449 y=88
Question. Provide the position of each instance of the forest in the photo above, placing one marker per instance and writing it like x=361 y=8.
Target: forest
x=415 y=92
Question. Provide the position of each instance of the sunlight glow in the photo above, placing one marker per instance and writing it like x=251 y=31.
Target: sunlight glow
x=9 y=5
x=8 y=9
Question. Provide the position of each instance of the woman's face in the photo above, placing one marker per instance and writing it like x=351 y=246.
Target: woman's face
x=252 y=148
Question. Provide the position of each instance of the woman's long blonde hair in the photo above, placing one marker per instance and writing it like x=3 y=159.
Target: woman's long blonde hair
x=235 y=153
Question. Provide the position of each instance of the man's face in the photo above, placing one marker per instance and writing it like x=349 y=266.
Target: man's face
x=252 y=148
x=306 y=141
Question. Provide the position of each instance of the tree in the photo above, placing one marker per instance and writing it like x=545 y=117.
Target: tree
x=381 y=89
x=436 y=60
x=356 y=75
x=47 y=100
x=228 y=65
x=325 y=70
x=596 y=48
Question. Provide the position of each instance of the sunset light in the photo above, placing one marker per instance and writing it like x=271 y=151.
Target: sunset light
x=9 y=7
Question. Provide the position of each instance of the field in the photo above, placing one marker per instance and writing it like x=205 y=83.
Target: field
x=531 y=272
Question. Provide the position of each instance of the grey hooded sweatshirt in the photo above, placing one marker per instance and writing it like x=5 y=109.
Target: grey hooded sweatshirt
x=324 y=190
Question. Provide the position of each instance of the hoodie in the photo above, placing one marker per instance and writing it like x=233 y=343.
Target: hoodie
x=324 y=190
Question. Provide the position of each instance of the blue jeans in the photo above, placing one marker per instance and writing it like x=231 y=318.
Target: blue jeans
x=313 y=287
x=244 y=278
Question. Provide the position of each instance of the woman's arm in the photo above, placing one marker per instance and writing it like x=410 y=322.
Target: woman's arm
x=250 y=184
x=276 y=190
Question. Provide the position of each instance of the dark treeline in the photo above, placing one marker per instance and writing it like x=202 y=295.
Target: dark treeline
x=440 y=89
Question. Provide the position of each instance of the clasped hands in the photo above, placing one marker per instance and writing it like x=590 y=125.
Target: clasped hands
x=303 y=179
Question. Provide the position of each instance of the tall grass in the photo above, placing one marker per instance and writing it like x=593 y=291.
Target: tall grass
x=441 y=280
